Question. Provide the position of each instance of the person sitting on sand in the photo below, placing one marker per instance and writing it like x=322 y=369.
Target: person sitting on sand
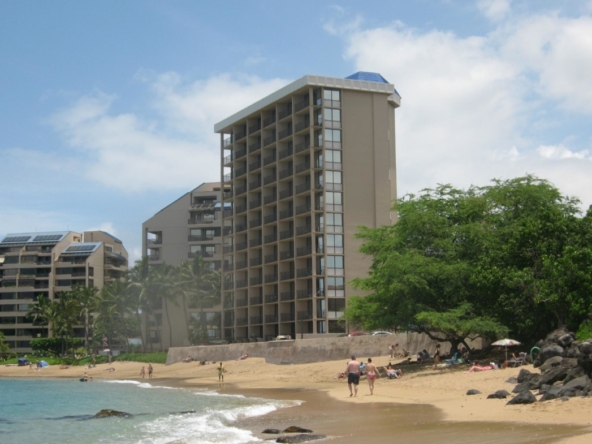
x=110 y=369
x=478 y=368
x=405 y=352
x=189 y=359
x=243 y=357
x=362 y=368
x=64 y=367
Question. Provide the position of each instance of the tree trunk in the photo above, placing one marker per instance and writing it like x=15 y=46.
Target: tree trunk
x=166 y=310
x=186 y=319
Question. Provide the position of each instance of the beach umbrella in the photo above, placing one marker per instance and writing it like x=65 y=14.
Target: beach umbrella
x=506 y=343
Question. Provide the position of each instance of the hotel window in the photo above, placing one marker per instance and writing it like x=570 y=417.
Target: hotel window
x=333 y=156
x=332 y=135
x=335 y=283
x=335 y=240
x=333 y=177
x=332 y=198
x=332 y=94
x=335 y=262
x=332 y=114
x=335 y=219
x=336 y=304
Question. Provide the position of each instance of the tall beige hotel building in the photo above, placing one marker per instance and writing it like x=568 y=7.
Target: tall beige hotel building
x=303 y=168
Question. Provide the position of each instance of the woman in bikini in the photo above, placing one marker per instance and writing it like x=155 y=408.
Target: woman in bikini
x=372 y=374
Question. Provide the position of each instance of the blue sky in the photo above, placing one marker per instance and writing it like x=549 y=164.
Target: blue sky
x=107 y=108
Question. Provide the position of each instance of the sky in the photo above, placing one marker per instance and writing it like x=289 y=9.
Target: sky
x=107 y=108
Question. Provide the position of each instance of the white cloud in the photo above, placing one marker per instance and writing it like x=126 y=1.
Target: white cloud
x=470 y=103
x=495 y=10
x=130 y=152
x=560 y=152
x=254 y=60
x=107 y=227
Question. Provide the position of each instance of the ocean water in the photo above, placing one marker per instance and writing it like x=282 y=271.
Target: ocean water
x=60 y=411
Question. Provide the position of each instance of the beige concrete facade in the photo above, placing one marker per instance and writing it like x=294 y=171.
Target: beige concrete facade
x=305 y=166
x=190 y=226
x=35 y=264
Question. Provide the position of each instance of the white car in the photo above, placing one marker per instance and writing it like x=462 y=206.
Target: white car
x=283 y=338
x=378 y=333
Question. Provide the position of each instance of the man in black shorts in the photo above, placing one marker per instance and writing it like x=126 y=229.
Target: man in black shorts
x=353 y=376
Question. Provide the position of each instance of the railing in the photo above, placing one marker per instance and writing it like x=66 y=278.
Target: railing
x=268 y=121
x=257 y=241
x=200 y=220
x=241 y=190
x=286 y=193
x=285 y=133
x=302 y=187
x=270 y=257
x=319 y=206
x=242 y=283
x=321 y=313
x=269 y=140
x=256 y=319
x=271 y=318
x=318 y=186
x=154 y=257
x=227 y=194
x=254 y=165
x=254 y=184
x=227 y=141
x=303 y=251
x=284 y=214
x=301 y=105
x=289 y=254
x=254 y=204
x=285 y=234
x=287 y=296
x=240 y=209
x=269 y=159
x=304 y=294
x=254 y=223
x=269 y=179
x=299 y=147
x=242 y=321
x=270 y=238
x=284 y=275
x=240 y=171
x=287 y=317
x=239 y=136
x=227 y=177
x=241 y=246
x=304 y=208
x=285 y=173
x=242 y=302
x=271 y=278
x=241 y=264
x=154 y=241
x=304 y=272
x=304 y=229
x=271 y=298
x=255 y=261
x=285 y=113
x=304 y=315
x=254 y=128
x=256 y=280
x=228 y=285
x=270 y=218
x=285 y=153
x=200 y=238
x=240 y=153
x=193 y=254
x=270 y=198
x=228 y=266
x=254 y=147
x=239 y=228
x=228 y=249
x=302 y=167
x=302 y=125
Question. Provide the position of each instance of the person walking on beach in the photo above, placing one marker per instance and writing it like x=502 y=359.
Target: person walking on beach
x=143 y=372
x=353 y=376
x=150 y=370
x=372 y=374
x=437 y=356
x=221 y=372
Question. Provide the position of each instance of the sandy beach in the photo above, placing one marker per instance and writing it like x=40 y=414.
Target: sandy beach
x=439 y=394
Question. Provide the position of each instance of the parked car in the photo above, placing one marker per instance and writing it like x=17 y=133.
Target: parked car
x=378 y=333
x=283 y=338
x=356 y=333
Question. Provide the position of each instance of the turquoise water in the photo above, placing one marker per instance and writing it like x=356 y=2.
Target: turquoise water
x=60 y=411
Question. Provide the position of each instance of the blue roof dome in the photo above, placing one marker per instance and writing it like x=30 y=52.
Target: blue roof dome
x=368 y=77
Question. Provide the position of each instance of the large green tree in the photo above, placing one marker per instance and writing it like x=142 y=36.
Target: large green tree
x=515 y=253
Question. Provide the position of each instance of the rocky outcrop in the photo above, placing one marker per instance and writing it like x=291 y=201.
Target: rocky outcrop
x=107 y=413
x=473 y=392
x=500 y=394
x=271 y=431
x=299 y=438
x=296 y=429
x=522 y=398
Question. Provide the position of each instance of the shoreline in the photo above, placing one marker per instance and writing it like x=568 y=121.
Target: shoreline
x=434 y=397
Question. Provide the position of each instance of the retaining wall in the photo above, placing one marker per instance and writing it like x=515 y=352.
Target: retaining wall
x=302 y=351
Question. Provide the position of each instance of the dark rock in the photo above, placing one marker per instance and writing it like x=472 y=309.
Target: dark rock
x=573 y=352
x=511 y=380
x=564 y=398
x=500 y=394
x=568 y=394
x=585 y=348
x=108 y=413
x=551 y=376
x=565 y=340
x=299 y=438
x=271 y=431
x=585 y=362
x=552 y=393
x=522 y=398
x=522 y=387
x=548 y=352
x=574 y=385
x=296 y=429
x=544 y=389
x=555 y=335
x=573 y=373
x=551 y=362
x=525 y=375
x=473 y=392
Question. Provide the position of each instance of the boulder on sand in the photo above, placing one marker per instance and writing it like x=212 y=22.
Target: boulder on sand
x=551 y=362
x=522 y=398
x=473 y=392
x=296 y=429
x=500 y=394
x=271 y=431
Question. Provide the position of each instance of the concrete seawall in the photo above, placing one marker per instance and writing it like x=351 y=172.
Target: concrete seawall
x=302 y=351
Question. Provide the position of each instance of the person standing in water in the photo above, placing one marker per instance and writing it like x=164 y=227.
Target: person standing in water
x=150 y=370
x=221 y=372
x=353 y=375
x=143 y=372
x=372 y=374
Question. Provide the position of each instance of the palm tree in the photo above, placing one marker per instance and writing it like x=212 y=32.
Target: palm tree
x=165 y=281
x=87 y=298
x=113 y=305
x=142 y=281
x=199 y=285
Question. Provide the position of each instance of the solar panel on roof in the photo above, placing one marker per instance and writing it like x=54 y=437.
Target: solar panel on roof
x=368 y=77
x=47 y=237
x=17 y=239
x=81 y=248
